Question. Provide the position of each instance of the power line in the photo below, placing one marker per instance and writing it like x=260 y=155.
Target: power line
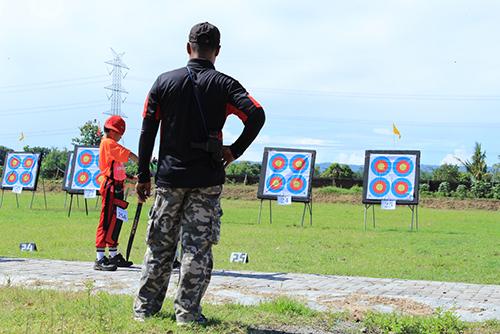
x=50 y=109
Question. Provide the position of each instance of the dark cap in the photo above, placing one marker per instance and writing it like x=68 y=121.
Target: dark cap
x=205 y=34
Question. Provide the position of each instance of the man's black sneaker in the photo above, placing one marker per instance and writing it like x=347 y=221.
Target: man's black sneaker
x=119 y=261
x=104 y=265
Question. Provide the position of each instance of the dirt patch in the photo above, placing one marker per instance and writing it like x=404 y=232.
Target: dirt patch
x=250 y=193
x=358 y=304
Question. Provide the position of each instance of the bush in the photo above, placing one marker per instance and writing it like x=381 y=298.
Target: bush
x=424 y=188
x=495 y=191
x=461 y=191
x=481 y=189
x=444 y=189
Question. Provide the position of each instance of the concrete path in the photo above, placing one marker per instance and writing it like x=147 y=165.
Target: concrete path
x=472 y=302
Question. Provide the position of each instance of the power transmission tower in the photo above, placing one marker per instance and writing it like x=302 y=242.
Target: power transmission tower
x=117 y=73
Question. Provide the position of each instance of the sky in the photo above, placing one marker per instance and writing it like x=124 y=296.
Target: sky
x=332 y=76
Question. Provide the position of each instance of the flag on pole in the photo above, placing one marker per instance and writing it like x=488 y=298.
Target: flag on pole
x=21 y=137
x=396 y=131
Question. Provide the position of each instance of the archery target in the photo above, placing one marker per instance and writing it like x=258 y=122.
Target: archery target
x=299 y=163
x=14 y=162
x=381 y=166
x=84 y=169
x=86 y=158
x=403 y=166
x=401 y=188
x=26 y=178
x=286 y=172
x=379 y=187
x=21 y=170
x=97 y=178
x=275 y=183
x=296 y=184
x=278 y=163
x=391 y=175
x=11 y=178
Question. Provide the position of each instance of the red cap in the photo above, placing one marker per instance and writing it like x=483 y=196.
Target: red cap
x=115 y=123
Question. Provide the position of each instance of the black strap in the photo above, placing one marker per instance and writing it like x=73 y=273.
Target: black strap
x=198 y=100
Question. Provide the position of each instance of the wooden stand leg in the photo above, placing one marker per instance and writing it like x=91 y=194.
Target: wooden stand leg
x=311 y=213
x=270 y=213
x=373 y=214
x=1 y=200
x=44 y=194
x=86 y=207
x=70 y=203
x=260 y=209
x=32 y=198
x=303 y=215
x=17 y=201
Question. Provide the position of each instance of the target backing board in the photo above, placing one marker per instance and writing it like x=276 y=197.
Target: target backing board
x=286 y=172
x=21 y=169
x=85 y=173
x=391 y=176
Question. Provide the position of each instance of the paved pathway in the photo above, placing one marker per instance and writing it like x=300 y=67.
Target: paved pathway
x=472 y=302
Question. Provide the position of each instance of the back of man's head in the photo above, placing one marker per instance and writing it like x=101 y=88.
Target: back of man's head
x=204 y=37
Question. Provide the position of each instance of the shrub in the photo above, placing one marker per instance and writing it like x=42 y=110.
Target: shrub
x=444 y=189
x=481 y=189
x=495 y=191
x=424 y=188
x=461 y=191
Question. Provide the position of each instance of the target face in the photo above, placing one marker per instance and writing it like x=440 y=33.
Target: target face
x=14 y=162
x=286 y=172
x=401 y=188
x=299 y=163
x=403 y=166
x=21 y=170
x=296 y=184
x=84 y=169
x=11 y=178
x=381 y=166
x=391 y=176
x=278 y=163
x=276 y=183
x=28 y=162
x=86 y=158
x=82 y=178
x=379 y=187
x=98 y=178
x=26 y=178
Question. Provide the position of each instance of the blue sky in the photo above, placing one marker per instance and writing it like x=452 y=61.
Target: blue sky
x=332 y=75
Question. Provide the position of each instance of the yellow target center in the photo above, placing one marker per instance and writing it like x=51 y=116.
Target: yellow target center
x=401 y=187
x=299 y=164
x=276 y=183
x=379 y=187
x=296 y=184
x=86 y=159
x=403 y=167
x=278 y=163
x=381 y=166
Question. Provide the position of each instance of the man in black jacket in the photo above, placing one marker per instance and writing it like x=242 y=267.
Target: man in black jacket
x=191 y=104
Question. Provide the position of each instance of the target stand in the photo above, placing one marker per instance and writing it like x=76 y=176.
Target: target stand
x=307 y=205
x=391 y=179
x=286 y=177
x=21 y=172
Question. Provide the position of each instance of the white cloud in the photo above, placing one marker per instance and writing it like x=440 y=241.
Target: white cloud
x=451 y=158
x=383 y=131
x=355 y=158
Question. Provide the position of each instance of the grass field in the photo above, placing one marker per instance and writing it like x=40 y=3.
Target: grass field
x=459 y=246
x=47 y=311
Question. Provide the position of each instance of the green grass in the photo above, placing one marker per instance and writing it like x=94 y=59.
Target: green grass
x=48 y=311
x=450 y=245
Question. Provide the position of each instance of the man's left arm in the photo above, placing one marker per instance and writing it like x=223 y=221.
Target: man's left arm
x=250 y=112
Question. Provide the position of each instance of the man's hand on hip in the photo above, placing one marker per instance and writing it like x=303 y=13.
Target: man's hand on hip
x=143 y=191
x=227 y=156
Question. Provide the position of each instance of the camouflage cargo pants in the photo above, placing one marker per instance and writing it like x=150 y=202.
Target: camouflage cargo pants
x=189 y=214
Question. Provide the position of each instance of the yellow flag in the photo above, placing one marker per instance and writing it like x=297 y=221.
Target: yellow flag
x=396 y=131
x=21 y=137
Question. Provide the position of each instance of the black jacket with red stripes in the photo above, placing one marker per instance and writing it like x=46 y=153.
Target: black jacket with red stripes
x=172 y=104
